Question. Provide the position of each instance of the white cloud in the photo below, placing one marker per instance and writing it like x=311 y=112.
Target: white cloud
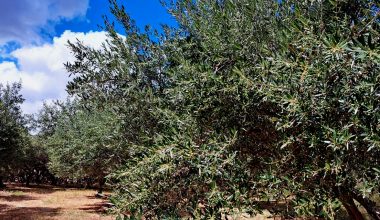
x=22 y=20
x=41 y=69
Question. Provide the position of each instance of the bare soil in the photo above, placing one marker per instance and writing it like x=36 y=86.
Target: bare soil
x=18 y=202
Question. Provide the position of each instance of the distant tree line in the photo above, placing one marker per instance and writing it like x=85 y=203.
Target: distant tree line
x=27 y=158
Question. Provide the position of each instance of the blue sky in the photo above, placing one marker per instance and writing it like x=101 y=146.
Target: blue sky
x=34 y=35
x=142 y=11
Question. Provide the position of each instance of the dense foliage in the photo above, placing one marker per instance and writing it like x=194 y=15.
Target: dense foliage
x=12 y=129
x=245 y=101
x=326 y=83
x=244 y=104
x=83 y=145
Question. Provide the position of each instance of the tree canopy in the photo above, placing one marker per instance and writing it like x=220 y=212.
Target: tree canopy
x=12 y=128
x=264 y=99
x=243 y=104
x=83 y=144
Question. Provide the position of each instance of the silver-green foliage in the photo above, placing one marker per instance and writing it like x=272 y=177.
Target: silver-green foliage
x=13 y=132
x=84 y=144
x=245 y=101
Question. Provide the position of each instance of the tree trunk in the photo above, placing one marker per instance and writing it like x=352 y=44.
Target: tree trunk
x=102 y=181
x=369 y=205
x=351 y=208
x=88 y=183
x=27 y=180
x=2 y=185
x=53 y=180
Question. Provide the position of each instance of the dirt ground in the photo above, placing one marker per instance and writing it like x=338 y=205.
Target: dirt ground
x=18 y=202
x=45 y=202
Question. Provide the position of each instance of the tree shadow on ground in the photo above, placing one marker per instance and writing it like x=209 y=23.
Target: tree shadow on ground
x=97 y=208
x=4 y=207
x=38 y=189
x=18 y=198
x=29 y=213
x=105 y=196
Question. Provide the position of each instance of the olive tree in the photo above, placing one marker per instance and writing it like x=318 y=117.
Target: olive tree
x=12 y=129
x=243 y=102
x=189 y=121
x=325 y=80
x=84 y=144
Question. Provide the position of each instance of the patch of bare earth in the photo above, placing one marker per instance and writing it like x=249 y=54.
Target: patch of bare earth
x=45 y=202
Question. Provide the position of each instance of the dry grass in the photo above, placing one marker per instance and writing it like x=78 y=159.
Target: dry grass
x=45 y=202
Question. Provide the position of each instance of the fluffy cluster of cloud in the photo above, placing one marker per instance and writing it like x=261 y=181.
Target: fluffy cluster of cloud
x=41 y=68
x=22 y=20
